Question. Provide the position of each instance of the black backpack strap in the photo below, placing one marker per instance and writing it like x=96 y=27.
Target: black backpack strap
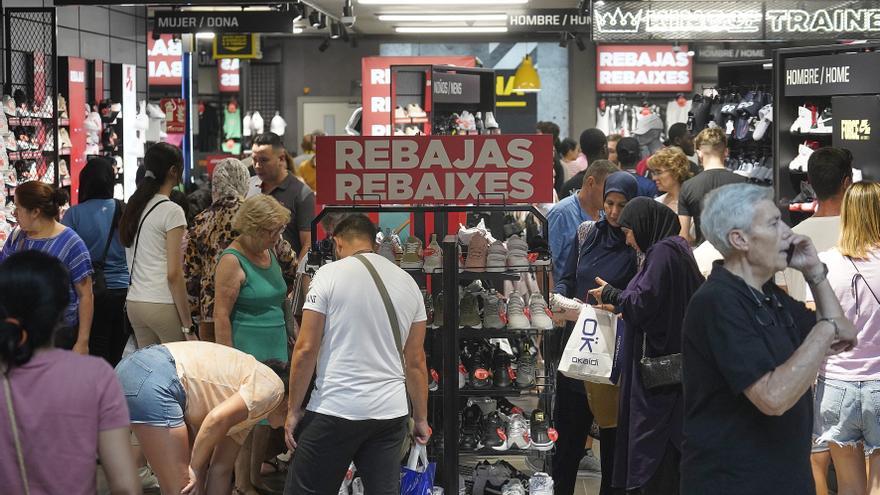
x=117 y=212
x=137 y=238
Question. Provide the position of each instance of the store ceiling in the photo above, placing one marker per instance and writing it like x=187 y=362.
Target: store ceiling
x=369 y=23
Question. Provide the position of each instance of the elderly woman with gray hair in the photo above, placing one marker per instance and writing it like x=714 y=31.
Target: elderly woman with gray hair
x=751 y=352
x=211 y=233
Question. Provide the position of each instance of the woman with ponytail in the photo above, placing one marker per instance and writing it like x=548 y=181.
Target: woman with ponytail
x=37 y=210
x=151 y=229
x=60 y=411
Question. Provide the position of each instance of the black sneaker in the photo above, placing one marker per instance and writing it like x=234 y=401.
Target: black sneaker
x=540 y=431
x=502 y=374
x=476 y=359
x=471 y=419
x=493 y=431
x=506 y=407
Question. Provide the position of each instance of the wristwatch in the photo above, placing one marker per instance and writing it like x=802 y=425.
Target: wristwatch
x=818 y=280
x=188 y=330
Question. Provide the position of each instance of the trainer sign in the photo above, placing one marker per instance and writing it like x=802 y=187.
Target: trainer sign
x=508 y=169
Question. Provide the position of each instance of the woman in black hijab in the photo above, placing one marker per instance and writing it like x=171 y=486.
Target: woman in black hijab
x=653 y=304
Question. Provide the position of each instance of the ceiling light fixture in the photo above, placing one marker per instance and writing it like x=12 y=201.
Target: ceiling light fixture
x=324 y=45
x=441 y=17
x=335 y=30
x=314 y=19
x=348 y=17
x=526 y=79
x=442 y=2
x=227 y=9
x=204 y=36
x=297 y=30
x=449 y=30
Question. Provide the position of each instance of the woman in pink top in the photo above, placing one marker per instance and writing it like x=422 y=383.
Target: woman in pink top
x=60 y=410
x=848 y=391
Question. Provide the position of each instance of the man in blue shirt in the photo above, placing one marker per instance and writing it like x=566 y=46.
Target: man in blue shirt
x=565 y=216
x=628 y=155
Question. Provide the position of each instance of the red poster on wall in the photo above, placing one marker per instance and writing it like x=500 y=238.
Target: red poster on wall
x=376 y=88
x=164 y=64
x=99 y=81
x=76 y=98
x=510 y=169
x=228 y=75
x=638 y=68
x=175 y=114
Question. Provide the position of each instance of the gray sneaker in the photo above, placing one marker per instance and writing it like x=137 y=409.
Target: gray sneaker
x=438 y=311
x=469 y=312
x=516 y=316
x=525 y=368
x=589 y=467
x=492 y=310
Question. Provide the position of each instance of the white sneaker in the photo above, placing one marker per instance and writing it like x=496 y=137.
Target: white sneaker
x=399 y=114
x=496 y=260
x=517 y=434
x=433 y=256
x=513 y=487
x=824 y=123
x=765 y=119
x=414 y=111
x=490 y=121
x=412 y=130
x=465 y=233
x=538 y=312
x=517 y=254
x=412 y=254
x=803 y=122
x=540 y=484
x=799 y=164
x=516 y=315
x=386 y=249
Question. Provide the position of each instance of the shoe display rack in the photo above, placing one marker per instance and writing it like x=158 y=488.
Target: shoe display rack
x=825 y=96
x=472 y=414
x=29 y=117
x=442 y=100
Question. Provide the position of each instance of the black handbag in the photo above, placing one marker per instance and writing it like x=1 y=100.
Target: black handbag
x=99 y=280
x=659 y=371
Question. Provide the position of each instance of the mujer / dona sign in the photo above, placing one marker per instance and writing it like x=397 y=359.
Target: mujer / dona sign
x=435 y=170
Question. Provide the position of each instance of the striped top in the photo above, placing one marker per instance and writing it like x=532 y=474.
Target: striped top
x=67 y=247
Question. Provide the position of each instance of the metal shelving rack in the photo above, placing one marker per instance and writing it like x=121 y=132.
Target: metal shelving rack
x=446 y=401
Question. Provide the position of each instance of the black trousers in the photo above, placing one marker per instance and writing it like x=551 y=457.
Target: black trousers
x=326 y=445
x=667 y=478
x=573 y=419
x=109 y=333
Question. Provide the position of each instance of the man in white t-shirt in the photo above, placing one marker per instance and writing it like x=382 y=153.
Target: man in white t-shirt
x=358 y=408
x=829 y=171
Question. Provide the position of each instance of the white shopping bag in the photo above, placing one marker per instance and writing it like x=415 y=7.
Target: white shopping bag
x=590 y=351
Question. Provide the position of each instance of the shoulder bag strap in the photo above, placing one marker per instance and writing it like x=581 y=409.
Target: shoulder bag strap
x=117 y=211
x=137 y=238
x=389 y=306
x=18 y=450
x=855 y=281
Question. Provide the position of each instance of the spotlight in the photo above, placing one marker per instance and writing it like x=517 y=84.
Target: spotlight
x=580 y=43
x=322 y=23
x=324 y=45
x=298 y=10
x=345 y=36
x=335 y=30
x=348 y=16
x=563 y=40
x=315 y=19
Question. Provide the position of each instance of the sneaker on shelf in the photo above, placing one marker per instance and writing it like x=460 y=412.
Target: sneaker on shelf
x=805 y=119
x=824 y=123
x=502 y=373
x=11 y=144
x=477 y=252
x=492 y=315
x=589 y=467
x=47 y=110
x=462 y=375
x=540 y=484
x=433 y=380
x=399 y=113
x=386 y=249
x=538 y=312
x=513 y=487
x=64 y=138
x=438 y=310
x=49 y=145
x=540 y=432
x=433 y=261
x=799 y=163
x=62 y=107
x=496 y=259
x=476 y=359
x=494 y=433
x=465 y=233
x=412 y=254
x=517 y=254
x=765 y=120
x=429 y=309
x=506 y=407
x=516 y=317
x=517 y=434
x=412 y=130
x=469 y=311
x=525 y=368
x=470 y=434
x=490 y=121
x=414 y=111
x=9 y=106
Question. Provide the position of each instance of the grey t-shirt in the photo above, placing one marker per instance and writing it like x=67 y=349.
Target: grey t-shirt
x=690 y=200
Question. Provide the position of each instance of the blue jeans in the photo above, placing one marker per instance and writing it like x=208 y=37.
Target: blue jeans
x=848 y=412
x=152 y=389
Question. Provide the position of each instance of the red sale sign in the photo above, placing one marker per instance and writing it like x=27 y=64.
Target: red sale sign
x=164 y=64
x=228 y=75
x=175 y=114
x=637 y=68
x=376 y=88
x=511 y=169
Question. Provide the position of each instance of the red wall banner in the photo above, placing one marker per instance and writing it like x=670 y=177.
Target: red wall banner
x=76 y=98
x=175 y=114
x=376 y=88
x=164 y=64
x=637 y=68
x=511 y=169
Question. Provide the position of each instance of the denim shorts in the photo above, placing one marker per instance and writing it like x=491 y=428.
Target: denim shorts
x=152 y=389
x=848 y=413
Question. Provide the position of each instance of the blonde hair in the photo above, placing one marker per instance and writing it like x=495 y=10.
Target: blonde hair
x=261 y=212
x=860 y=220
x=672 y=159
x=712 y=141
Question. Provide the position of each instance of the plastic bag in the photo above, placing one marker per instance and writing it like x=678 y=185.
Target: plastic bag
x=418 y=474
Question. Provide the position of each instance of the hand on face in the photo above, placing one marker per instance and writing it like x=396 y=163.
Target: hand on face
x=804 y=257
